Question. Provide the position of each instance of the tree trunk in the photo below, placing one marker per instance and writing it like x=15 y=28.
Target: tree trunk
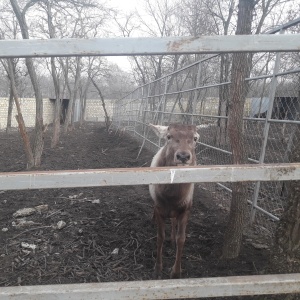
x=83 y=100
x=39 y=127
x=73 y=114
x=221 y=136
x=38 y=145
x=238 y=93
x=57 y=109
x=10 y=109
x=69 y=117
x=83 y=109
x=19 y=117
x=285 y=255
x=286 y=252
x=107 y=119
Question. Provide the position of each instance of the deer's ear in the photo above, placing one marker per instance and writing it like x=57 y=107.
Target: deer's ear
x=160 y=131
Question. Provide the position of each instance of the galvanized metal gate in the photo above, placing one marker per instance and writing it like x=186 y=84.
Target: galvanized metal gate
x=192 y=95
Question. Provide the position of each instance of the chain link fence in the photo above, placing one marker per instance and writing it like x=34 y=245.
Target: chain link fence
x=195 y=94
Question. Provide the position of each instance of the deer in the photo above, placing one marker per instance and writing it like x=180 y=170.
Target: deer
x=173 y=200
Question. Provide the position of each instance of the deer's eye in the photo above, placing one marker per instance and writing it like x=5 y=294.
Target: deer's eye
x=195 y=139
x=168 y=136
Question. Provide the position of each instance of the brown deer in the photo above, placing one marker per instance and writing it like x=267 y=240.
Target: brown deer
x=173 y=200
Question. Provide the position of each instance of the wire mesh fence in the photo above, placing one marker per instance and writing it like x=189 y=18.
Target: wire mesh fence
x=199 y=93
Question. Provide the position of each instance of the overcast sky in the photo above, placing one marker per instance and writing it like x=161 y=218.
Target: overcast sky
x=124 y=5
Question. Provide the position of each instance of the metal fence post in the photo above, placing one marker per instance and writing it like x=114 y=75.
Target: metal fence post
x=266 y=129
x=144 y=125
x=140 y=110
x=162 y=106
x=196 y=92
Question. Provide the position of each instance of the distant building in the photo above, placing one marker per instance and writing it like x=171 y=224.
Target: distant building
x=94 y=111
x=285 y=107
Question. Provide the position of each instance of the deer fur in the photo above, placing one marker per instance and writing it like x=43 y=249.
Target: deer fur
x=173 y=200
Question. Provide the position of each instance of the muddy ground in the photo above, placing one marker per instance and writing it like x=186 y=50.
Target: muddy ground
x=107 y=233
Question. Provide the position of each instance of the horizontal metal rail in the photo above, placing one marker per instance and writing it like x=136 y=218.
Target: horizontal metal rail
x=146 y=139
x=142 y=176
x=285 y=121
x=292 y=71
x=181 y=69
x=265 y=212
x=284 y=26
x=185 y=114
x=225 y=151
x=224 y=187
x=149 y=46
x=160 y=289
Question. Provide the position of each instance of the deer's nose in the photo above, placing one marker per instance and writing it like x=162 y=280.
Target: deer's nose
x=183 y=156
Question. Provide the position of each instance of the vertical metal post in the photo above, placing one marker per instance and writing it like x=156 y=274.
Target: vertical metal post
x=196 y=92
x=266 y=130
x=145 y=127
x=139 y=104
x=291 y=138
x=146 y=105
x=143 y=107
x=163 y=102
x=162 y=106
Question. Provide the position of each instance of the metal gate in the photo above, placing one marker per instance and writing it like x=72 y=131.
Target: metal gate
x=193 y=94
x=136 y=117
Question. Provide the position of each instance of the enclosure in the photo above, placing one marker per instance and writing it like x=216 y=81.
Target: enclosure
x=190 y=99
x=100 y=219
x=195 y=95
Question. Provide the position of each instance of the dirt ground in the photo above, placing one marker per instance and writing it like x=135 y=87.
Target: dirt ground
x=107 y=233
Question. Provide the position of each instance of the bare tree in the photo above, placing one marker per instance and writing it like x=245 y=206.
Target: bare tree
x=69 y=120
x=39 y=127
x=222 y=14
x=24 y=135
x=82 y=100
x=8 y=30
x=163 y=23
x=116 y=83
x=285 y=254
x=87 y=17
x=107 y=119
x=9 y=110
x=238 y=93
x=85 y=82
x=83 y=89
x=47 y=6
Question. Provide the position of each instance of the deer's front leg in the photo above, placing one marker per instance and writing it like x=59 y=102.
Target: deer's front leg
x=160 y=240
x=180 y=239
